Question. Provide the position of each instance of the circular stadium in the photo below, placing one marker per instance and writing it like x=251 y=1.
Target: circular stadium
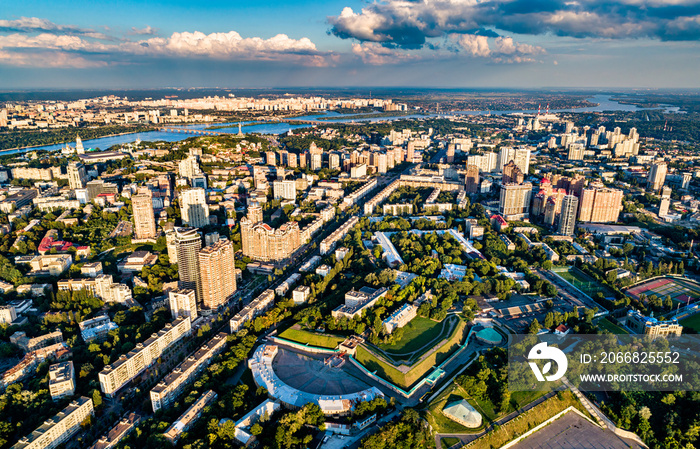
x=489 y=336
x=314 y=375
x=296 y=379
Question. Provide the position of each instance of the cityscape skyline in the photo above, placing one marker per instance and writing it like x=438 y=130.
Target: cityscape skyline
x=390 y=43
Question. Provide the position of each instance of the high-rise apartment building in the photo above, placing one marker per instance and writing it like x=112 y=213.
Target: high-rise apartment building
x=193 y=208
x=284 y=190
x=576 y=151
x=487 y=162
x=188 y=243
x=144 y=218
x=567 y=218
x=512 y=174
x=263 y=243
x=218 y=274
x=515 y=201
x=471 y=184
x=255 y=213
x=77 y=176
x=188 y=168
x=183 y=302
x=599 y=204
x=316 y=161
x=520 y=156
x=657 y=176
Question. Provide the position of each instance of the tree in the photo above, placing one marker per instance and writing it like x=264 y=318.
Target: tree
x=96 y=398
x=534 y=327
x=256 y=429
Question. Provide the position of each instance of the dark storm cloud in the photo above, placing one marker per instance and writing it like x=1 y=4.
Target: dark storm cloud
x=408 y=23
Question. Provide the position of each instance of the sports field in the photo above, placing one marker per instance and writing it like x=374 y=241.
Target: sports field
x=682 y=291
x=582 y=281
x=611 y=327
x=693 y=322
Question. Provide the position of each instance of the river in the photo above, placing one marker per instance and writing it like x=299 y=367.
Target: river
x=604 y=104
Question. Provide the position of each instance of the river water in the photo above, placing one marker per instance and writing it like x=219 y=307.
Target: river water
x=102 y=143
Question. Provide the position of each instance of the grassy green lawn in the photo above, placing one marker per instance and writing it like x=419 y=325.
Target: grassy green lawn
x=415 y=335
x=611 y=327
x=448 y=442
x=692 y=322
x=311 y=338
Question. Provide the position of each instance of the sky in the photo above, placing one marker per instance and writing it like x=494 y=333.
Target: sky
x=350 y=43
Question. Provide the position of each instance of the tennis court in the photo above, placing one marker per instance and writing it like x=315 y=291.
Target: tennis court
x=682 y=291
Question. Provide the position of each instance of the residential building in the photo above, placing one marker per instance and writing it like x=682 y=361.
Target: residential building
x=217 y=274
x=515 y=201
x=183 y=303
x=567 y=218
x=77 y=176
x=191 y=415
x=519 y=156
x=193 y=208
x=471 y=178
x=61 y=380
x=96 y=328
x=599 y=204
x=284 y=189
x=60 y=428
x=188 y=243
x=27 y=344
x=137 y=261
x=657 y=176
x=144 y=217
x=512 y=174
x=301 y=294
x=7 y=314
x=128 y=366
x=576 y=151
x=173 y=385
x=102 y=286
x=118 y=432
x=263 y=243
x=260 y=304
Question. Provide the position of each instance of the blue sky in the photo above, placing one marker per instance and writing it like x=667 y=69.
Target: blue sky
x=430 y=43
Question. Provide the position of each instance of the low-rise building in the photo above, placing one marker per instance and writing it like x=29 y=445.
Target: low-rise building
x=191 y=415
x=651 y=326
x=61 y=380
x=257 y=306
x=136 y=261
x=400 y=318
x=358 y=300
x=96 y=328
x=27 y=344
x=118 y=432
x=102 y=286
x=301 y=294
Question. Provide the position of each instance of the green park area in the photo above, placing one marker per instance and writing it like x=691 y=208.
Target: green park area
x=417 y=334
x=611 y=327
x=692 y=322
x=296 y=334
x=448 y=442
x=409 y=375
